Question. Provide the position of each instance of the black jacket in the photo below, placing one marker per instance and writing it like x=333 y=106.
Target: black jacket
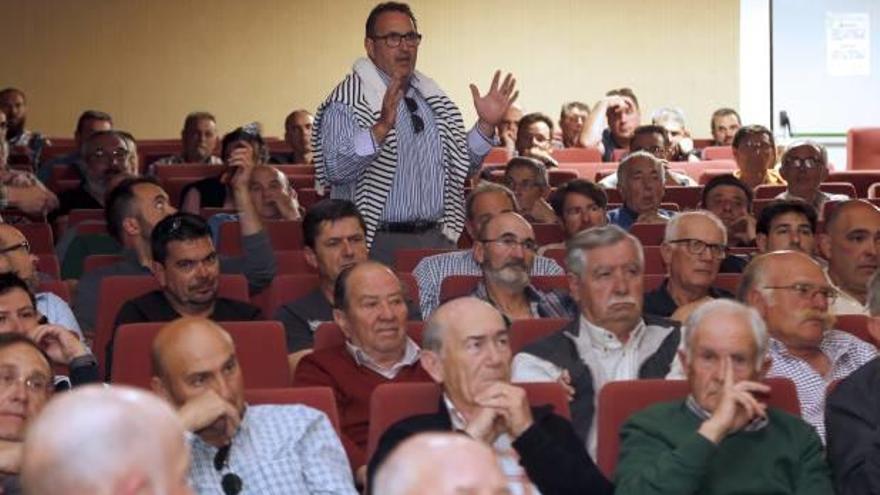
x=554 y=459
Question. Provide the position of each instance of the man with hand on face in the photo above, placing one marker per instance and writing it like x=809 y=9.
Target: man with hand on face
x=722 y=439
x=508 y=128
x=573 y=120
x=730 y=199
x=642 y=187
x=527 y=178
x=236 y=447
x=654 y=140
x=534 y=138
x=467 y=351
x=621 y=109
x=390 y=140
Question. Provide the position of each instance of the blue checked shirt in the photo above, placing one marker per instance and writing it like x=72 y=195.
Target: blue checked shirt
x=417 y=190
x=431 y=271
x=550 y=304
x=281 y=450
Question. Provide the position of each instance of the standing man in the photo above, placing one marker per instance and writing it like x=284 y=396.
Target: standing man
x=405 y=174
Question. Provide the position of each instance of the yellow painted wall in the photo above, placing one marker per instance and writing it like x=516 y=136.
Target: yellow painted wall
x=149 y=62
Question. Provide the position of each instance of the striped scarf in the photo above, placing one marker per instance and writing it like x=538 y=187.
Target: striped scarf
x=363 y=91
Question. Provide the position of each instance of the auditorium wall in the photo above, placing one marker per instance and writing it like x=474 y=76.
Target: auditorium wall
x=149 y=62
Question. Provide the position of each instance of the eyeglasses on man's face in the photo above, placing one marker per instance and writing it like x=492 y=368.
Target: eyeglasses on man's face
x=393 y=40
x=698 y=247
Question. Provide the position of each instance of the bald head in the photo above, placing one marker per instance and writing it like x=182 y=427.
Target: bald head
x=105 y=440
x=449 y=463
x=850 y=243
x=178 y=339
x=454 y=316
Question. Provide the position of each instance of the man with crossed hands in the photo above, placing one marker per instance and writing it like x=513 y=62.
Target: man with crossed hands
x=466 y=349
x=722 y=439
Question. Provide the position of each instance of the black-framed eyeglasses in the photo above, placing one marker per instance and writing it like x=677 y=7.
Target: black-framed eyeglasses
x=413 y=107
x=697 y=247
x=510 y=242
x=808 y=291
x=803 y=164
x=230 y=482
x=21 y=245
x=393 y=40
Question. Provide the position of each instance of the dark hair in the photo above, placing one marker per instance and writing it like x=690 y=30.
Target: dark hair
x=177 y=227
x=484 y=188
x=193 y=118
x=781 y=207
x=328 y=210
x=12 y=91
x=572 y=105
x=750 y=130
x=246 y=134
x=10 y=281
x=92 y=115
x=119 y=203
x=723 y=112
x=530 y=118
x=8 y=339
x=382 y=8
x=624 y=92
x=726 y=180
x=96 y=135
x=340 y=287
x=652 y=129
x=577 y=186
x=535 y=166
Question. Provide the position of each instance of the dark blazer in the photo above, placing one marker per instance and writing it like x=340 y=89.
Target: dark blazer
x=553 y=457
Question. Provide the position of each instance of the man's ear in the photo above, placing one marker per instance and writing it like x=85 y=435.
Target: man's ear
x=159 y=272
x=479 y=252
x=666 y=253
x=131 y=227
x=311 y=257
x=761 y=241
x=755 y=299
x=824 y=245
x=158 y=387
x=369 y=46
x=432 y=364
x=574 y=286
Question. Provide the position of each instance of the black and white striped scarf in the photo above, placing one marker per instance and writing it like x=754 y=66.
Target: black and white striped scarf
x=363 y=91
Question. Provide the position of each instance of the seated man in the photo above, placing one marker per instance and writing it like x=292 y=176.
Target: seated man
x=505 y=250
x=484 y=202
x=610 y=340
x=25 y=387
x=722 y=439
x=448 y=463
x=849 y=243
x=534 y=138
x=105 y=156
x=681 y=144
x=188 y=270
x=655 y=140
x=89 y=122
x=508 y=127
x=267 y=449
x=623 y=115
x=198 y=141
x=724 y=124
x=642 y=188
x=572 y=121
x=804 y=166
x=792 y=294
x=852 y=414
x=787 y=224
x=134 y=207
x=19 y=189
x=467 y=351
x=16 y=257
x=730 y=199
x=527 y=178
x=693 y=247
x=755 y=153
x=13 y=104
x=19 y=313
x=104 y=440
x=371 y=311
x=579 y=205
x=298 y=136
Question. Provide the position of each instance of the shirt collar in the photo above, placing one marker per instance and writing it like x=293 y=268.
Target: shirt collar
x=829 y=346
x=601 y=338
x=411 y=355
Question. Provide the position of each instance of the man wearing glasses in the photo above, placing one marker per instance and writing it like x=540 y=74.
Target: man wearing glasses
x=792 y=294
x=804 y=166
x=755 y=153
x=527 y=178
x=506 y=253
x=692 y=250
x=610 y=339
x=405 y=174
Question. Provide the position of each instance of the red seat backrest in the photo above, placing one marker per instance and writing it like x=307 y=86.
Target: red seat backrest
x=620 y=400
x=48 y=264
x=192 y=171
x=856 y=325
x=293 y=261
x=651 y=234
x=116 y=290
x=259 y=347
x=328 y=334
x=717 y=153
x=863 y=148
x=405 y=260
x=546 y=233
x=39 y=235
x=568 y=155
x=81 y=215
x=496 y=156
x=320 y=398
x=57 y=287
x=525 y=332
x=687 y=197
x=284 y=289
x=860 y=179
x=283 y=234
x=95 y=261
x=557 y=177
x=393 y=402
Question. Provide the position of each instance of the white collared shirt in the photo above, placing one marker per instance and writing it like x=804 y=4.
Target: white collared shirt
x=411 y=355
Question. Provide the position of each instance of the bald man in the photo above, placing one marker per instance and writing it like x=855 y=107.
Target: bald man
x=106 y=440
x=449 y=463
x=265 y=449
x=467 y=351
x=850 y=244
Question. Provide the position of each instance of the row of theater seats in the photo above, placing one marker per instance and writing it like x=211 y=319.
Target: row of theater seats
x=260 y=350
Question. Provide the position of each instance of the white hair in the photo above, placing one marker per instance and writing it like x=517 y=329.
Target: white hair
x=578 y=247
x=623 y=169
x=671 y=232
x=666 y=114
x=728 y=307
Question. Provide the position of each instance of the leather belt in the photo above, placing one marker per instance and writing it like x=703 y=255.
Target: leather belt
x=407 y=227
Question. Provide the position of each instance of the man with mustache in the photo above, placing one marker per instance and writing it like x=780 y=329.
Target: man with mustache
x=505 y=250
x=722 y=439
x=850 y=244
x=641 y=183
x=610 y=340
x=792 y=294
x=187 y=267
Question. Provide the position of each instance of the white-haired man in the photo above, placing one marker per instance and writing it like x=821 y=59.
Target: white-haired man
x=641 y=183
x=804 y=166
x=722 y=439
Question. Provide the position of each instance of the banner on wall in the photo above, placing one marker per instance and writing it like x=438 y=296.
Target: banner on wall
x=848 y=44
